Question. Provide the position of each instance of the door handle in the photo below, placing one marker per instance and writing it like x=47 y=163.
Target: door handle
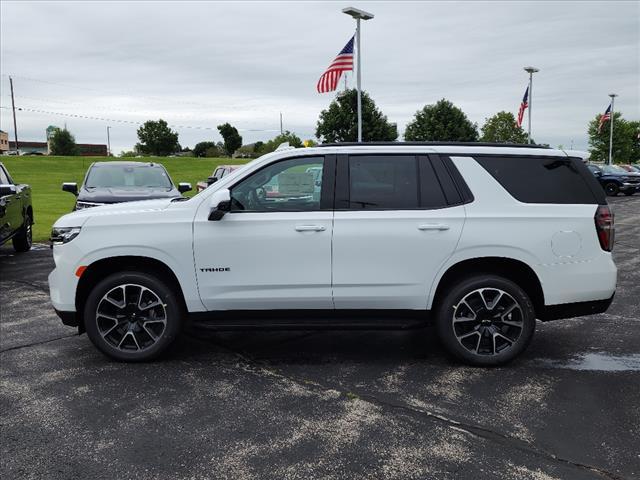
x=433 y=226
x=310 y=228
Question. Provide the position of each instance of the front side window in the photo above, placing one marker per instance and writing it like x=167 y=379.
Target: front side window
x=289 y=185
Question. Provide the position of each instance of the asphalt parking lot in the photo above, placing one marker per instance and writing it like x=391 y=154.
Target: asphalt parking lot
x=302 y=405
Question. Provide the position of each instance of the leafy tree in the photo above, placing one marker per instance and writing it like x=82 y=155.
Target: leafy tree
x=441 y=122
x=257 y=147
x=623 y=139
x=63 y=143
x=502 y=128
x=156 y=138
x=200 y=150
x=274 y=143
x=310 y=143
x=213 y=152
x=231 y=137
x=339 y=123
x=634 y=131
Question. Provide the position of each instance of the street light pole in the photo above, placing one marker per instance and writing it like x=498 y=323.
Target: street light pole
x=613 y=96
x=108 y=143
x=531 y=71
x=15 y=125
x=358 y=15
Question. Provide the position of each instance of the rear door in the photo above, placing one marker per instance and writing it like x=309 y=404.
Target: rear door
x=398 y=218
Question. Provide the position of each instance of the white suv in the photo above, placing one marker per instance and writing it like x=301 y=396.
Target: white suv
x=480 y=239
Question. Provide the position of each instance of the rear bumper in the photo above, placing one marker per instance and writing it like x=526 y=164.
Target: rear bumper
x=577 y=309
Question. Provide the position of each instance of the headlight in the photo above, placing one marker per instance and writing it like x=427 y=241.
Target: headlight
x=83 y=205
x=62 y=235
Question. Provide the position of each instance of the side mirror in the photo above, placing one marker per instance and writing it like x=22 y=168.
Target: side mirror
x=220 y=204
x=598 y=173
x=211 y=180
x=184 y=187
x=7 y=189
x=70 y=187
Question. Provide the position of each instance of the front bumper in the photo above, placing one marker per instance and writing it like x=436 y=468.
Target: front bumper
x=68 y=318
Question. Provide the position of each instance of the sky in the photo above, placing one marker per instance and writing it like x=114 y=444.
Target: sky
x=200 y=64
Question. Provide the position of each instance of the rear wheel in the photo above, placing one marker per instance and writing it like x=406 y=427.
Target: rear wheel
x=485 y=320
x=22 y=241
x=611 y=188
x=132 y=316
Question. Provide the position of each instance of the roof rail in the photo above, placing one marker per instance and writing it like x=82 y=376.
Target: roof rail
x=432 y=144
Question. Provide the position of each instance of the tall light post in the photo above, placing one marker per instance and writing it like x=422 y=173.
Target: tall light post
x=530 y=71
x=108 y=143
x=613 y=96
x=358 y=15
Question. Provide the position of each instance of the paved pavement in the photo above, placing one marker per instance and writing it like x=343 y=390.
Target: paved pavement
x=329 y=405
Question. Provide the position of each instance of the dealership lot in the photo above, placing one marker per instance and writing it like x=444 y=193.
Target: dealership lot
x=320 y=404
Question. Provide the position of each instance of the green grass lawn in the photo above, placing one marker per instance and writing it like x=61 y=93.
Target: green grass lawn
x=46 y=175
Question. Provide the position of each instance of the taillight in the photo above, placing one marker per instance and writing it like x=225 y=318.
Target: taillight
x=605 y=227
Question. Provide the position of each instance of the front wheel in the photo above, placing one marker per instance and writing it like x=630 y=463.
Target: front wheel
x=485 y=320
x=611 y=189
x=132 y=316
x=22 y=241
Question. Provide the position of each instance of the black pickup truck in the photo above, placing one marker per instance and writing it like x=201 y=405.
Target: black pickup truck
x=16 y=213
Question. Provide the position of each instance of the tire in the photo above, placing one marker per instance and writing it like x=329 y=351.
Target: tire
x=470 y=331
x=132 y=316
x=23 y=240
x=611 y=188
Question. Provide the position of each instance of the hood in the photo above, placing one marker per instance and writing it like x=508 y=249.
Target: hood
x=125 y=194
x=79 y=217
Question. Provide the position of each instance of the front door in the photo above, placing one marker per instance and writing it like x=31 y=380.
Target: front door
x=273 y=250
x=393 y=229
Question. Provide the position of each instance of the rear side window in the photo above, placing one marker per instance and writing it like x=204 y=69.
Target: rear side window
x=542 y=179
x=383 y=182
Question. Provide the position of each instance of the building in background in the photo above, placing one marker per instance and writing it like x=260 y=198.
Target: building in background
x=4 y=142
x=44 y=148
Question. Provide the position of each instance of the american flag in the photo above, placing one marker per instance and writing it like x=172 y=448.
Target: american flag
x=343 y=63
x=523 y=106
x=604 y=117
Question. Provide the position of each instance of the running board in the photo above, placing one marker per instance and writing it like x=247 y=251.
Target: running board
x=309 y=320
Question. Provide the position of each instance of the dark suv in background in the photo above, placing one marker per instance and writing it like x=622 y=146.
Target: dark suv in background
x=16 y=213
x=116 y=182
x=615 y=179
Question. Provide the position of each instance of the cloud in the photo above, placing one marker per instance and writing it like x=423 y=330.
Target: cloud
x=201 y=64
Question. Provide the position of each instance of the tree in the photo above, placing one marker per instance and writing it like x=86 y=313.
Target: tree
x=339 y=123
x=257 y=147
x=200 y=150
x=231 y=137
x=63 y=143
x=213 y=152
x=156 y=138
x=274 y=143
x=310 y=143
x=634 y=131
x=502 y=128
x=623 y=139
x=441 y=122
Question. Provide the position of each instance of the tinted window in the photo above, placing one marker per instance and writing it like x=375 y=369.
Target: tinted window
x=383 y=182
x=102 y=176
x=431 y=192
x=290 y=185
x=542 y=179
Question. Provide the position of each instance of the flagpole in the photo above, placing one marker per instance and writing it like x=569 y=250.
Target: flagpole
x=359 y=79
x=358 y=15
x=531 y=71
x=613 y=96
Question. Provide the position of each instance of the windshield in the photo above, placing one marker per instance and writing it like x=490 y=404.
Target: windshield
x=128 y=176
x=613 y=169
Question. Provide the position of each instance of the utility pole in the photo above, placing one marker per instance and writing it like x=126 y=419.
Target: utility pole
x=530 y=71
x=281 y=131
x=613 y=96
x=108 y=143
x=13 y=107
